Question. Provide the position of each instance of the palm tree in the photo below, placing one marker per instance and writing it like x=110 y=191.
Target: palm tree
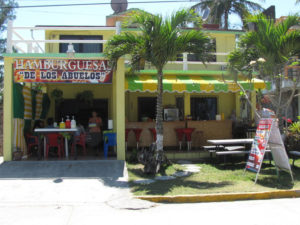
x=221 y=9
x=158 y=41
x=276 y=43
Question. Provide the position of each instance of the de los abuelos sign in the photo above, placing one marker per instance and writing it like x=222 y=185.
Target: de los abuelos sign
x=93 y=71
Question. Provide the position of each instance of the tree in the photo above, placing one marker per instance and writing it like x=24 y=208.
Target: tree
x=158 y=41
x=221 y=9
x=276 y=44
x=7 y=12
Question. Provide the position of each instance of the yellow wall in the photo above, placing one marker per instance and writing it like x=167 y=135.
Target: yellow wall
x=226 y=102
x=225 y=42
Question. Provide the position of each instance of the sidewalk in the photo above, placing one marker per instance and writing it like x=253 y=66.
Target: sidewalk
x=38 y=183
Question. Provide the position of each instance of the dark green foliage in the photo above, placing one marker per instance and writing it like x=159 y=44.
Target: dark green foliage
x=221 y=9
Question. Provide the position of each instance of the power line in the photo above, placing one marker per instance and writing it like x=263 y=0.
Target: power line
x=90 y=4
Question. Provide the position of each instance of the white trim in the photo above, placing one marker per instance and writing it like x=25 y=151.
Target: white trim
x=196 y=63
x=60 y=41
x=65 y=28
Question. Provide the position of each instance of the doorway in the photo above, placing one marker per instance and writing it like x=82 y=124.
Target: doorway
x=82 y=111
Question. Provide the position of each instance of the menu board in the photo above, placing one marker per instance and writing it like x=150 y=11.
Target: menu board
x=259 y=145
x=268 y=135
x=62 y=71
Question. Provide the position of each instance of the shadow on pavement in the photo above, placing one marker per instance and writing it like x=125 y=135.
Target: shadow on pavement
x=110 y=172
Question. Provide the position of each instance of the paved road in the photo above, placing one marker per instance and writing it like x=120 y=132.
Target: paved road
x=56 y=193
x=266 y=212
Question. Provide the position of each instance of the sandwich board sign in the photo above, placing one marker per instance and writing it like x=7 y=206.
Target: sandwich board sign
x=268 y=135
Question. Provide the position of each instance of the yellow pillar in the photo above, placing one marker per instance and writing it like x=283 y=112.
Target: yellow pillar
x=8 y=109
x=253 y=103
x=119 y=108
x=187 y=104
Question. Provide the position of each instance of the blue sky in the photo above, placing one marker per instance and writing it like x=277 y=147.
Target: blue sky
x=95 y=15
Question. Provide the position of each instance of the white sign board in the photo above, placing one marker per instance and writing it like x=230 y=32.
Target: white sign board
x=268 y=135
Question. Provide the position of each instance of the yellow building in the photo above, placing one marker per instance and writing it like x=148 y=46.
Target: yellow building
x=197 y=92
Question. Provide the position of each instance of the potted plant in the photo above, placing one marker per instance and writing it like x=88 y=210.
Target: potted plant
x=57 y=94
x=292 y=135
x=86 y=97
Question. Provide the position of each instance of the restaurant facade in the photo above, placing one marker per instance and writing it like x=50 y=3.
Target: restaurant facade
x=202 y=97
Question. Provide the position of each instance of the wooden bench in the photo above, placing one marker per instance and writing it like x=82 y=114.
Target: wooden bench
x=232 y=152
x=234 y=148
x=294 y=154
x=212 y=149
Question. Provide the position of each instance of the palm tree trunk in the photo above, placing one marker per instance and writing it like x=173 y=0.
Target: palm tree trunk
x=226 y=20
x=159 y=112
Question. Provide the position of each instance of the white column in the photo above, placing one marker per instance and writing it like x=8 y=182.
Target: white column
x=185 y=61
x=118 y=27
x=29 y=48
x=9 y=44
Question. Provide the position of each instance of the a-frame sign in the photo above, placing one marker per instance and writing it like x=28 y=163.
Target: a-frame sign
x=268 y=135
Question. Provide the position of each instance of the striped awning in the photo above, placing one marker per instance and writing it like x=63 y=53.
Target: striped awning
x=191 y=83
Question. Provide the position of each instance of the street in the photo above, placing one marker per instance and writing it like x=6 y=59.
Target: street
x=97 y=192
x=273 y=212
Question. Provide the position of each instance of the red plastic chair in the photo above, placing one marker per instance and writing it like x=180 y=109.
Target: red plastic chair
x=31 y=141
x=54 y=140
x=81 y=141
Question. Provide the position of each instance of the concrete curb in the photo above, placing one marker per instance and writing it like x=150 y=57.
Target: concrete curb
x=222 y=197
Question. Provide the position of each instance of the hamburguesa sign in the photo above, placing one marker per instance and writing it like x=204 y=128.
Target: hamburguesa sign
x=62 y=71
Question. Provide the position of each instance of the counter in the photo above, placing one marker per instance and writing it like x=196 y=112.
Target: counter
x=204 y=130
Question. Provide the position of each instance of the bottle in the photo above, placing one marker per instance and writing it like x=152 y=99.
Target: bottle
x=73 y=123
x=222 y=116
x=68 y=123
x=62 y=124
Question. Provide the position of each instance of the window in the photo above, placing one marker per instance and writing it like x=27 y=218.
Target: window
x=179 y=57
x=147 y=108
x=180 y=107
x=82 y=47
x=204 y=108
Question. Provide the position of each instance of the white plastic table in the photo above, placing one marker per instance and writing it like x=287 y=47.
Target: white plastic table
x=219 y=142
x=57 y=130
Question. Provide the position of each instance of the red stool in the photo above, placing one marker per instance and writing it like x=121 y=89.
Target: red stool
x=188 y=134
x=127 y=130
x=137 y=132
x=179 y=132
x=153 y=132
